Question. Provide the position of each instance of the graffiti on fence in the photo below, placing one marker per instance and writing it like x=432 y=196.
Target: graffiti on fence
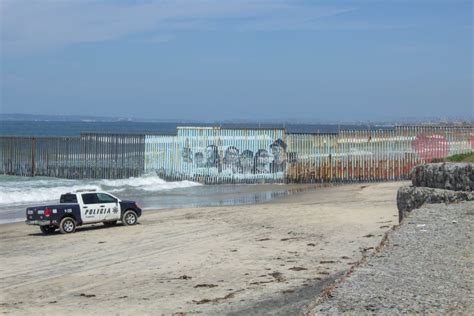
x=212 y=154
x=430 y=147
x=234 y=160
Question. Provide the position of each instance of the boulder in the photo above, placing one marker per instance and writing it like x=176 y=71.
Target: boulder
x=449 y=176
x=410 y=198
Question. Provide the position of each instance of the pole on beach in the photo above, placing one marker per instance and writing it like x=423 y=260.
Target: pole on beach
x=33 y=151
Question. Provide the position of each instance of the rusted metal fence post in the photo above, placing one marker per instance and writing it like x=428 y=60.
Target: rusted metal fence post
x=33 y=156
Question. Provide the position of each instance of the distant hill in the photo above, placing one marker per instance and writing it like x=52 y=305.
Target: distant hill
x=232 y=122
x=61 y=118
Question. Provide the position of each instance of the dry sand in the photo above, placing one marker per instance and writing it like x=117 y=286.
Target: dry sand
x=271 y=258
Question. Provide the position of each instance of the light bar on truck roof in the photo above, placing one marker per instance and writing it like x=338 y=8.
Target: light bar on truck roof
x=85 y=190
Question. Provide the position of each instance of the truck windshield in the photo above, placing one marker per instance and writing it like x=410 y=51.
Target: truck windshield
x=68 y=198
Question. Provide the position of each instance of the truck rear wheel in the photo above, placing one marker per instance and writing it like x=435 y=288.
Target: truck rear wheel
x=129 y=218
x=47 y=230
x=67 y=225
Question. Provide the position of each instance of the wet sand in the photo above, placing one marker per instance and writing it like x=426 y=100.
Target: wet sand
x=271 y=258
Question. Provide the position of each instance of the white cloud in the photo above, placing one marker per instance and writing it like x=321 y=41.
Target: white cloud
x=30 y=25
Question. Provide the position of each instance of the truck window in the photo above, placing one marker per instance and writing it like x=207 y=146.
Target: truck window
x=90 y=198
x=68 y=198
x=105 y=198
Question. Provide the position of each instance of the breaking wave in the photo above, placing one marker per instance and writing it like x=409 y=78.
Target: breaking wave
x=19 y=190
x=146 y=183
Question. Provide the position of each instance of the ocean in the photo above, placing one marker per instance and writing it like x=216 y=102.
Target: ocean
x=151 y=192
x=67 y=128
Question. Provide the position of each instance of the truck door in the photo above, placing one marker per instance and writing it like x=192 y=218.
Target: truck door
x=111 y=206
x=90 y=208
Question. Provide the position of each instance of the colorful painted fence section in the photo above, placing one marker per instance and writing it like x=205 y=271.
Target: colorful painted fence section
x=377 y=155
x=223 y=155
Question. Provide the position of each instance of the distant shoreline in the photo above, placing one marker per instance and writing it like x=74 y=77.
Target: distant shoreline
x=168 y=195
x=76 y=127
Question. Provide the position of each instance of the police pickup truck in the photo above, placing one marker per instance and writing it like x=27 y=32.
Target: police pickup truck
x=80 y=208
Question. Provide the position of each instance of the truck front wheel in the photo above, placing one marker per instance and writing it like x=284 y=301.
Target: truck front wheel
x=67 y=225
x=129 y=218
x=47 y=230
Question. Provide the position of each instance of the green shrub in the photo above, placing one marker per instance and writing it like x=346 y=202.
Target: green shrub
x=467 y=157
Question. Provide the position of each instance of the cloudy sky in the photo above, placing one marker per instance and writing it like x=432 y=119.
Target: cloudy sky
x=223 y=60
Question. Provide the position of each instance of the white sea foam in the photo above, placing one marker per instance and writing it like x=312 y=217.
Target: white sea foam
x=134 y=182
x=25 y=194
x=17 y=191
x=169 y=185
x=148 y=183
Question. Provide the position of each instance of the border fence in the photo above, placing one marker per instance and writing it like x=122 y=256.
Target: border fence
x=237 y=155
x=88 y=156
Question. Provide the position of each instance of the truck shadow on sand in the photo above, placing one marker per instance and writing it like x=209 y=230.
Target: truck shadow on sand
x=81 y=229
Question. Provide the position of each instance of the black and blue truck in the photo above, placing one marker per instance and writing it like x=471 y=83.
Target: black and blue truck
x=80 y=208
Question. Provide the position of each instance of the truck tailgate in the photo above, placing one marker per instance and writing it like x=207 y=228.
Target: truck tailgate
x=36 y=215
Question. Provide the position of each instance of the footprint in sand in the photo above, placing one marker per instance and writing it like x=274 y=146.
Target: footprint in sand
x=205 y=285
x=278 y=276
x=297 y=269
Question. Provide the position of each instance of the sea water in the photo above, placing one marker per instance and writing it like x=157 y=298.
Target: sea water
x=151 y=193
x=62 y=128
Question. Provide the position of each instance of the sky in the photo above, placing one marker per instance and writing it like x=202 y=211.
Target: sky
x=238 y=59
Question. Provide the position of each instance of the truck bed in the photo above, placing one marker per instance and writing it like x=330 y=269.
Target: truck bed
x=36 y=215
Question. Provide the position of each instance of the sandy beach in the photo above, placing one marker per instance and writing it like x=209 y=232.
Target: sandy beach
x=271 y=258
